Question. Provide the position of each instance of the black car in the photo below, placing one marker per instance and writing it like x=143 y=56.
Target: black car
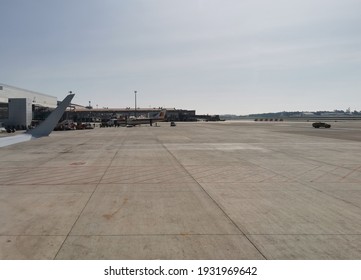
x=321 y=124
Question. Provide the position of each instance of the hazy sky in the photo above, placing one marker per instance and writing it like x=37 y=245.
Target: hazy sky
x=215 y=56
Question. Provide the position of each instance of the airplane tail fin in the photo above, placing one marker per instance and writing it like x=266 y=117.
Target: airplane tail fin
x=161 y=114
x=158 y=116
x=47 y=126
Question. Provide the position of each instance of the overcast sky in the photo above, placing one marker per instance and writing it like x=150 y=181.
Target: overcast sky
x=215 y=56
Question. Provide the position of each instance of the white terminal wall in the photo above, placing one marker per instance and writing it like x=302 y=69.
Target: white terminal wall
x=36 y=98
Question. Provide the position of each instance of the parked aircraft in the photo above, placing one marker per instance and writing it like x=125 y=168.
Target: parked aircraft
x=44 y=129
x=160 y=117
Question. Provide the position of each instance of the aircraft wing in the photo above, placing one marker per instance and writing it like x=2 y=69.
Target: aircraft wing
x=44 y=129
x=6 y=141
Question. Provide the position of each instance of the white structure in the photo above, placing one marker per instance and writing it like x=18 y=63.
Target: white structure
x=36 y=98
x=16 y=105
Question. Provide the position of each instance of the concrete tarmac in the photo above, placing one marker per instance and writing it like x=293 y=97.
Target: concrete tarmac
x=226 y=190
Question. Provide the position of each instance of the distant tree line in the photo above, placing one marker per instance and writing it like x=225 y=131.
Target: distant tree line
x=286 y=114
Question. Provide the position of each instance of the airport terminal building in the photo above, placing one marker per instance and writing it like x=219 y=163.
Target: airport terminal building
x=87 y=114
x=18 y=106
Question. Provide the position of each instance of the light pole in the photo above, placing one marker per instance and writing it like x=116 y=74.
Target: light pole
x=67 y=112
x=135 y=108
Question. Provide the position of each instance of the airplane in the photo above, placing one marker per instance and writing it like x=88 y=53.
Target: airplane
x=160 y=117
x=44 y=129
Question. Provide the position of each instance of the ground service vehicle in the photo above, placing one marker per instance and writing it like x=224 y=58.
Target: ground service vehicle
x=321 y=124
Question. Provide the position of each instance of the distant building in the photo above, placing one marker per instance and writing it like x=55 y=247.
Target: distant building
x=308 y=114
